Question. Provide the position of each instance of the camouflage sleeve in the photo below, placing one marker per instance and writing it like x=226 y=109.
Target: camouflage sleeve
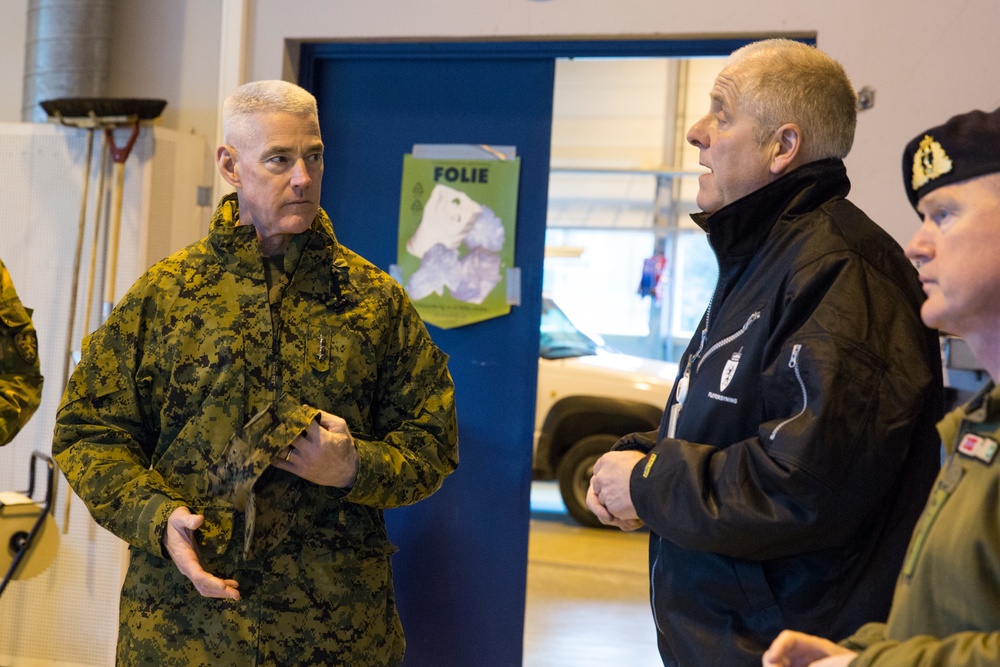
x=865 y=636
x=969 y=649
x=417 y=443
x=101 y=441
x=20 y=371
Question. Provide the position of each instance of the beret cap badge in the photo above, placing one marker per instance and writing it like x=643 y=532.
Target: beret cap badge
x=972 y=141
x=929 y=162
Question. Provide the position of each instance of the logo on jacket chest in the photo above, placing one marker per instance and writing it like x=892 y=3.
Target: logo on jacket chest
x=729 y=370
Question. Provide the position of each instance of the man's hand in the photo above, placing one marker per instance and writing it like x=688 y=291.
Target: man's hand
x=325 y=454
x=179 y=542
x=796 y=649
x=609 y=496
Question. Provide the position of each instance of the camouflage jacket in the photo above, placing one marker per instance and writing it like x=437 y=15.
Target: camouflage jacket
x=192 y=352
x=20 y=373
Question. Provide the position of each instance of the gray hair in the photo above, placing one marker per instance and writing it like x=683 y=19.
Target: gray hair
x=262 y=97
x=783 y=81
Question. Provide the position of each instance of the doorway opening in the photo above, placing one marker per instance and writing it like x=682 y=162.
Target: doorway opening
x=623 y=258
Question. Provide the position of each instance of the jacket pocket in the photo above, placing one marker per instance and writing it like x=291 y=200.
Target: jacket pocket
x=821 y=398
x=793 y=363
x=754 y=584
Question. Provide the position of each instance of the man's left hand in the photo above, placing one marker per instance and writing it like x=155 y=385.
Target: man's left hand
x=325 y=454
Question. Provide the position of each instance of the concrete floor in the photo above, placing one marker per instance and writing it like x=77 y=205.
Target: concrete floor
x=588 y=592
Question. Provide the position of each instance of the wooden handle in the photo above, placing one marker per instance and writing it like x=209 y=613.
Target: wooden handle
x=113 y=235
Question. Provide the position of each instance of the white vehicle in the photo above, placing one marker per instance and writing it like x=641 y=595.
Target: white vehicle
x=589 y=396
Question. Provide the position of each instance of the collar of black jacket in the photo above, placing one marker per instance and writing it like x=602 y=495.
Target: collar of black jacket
x=740 y=228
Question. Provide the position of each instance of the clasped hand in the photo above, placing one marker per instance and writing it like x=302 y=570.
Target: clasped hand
x=324 y=454
x=609 y=496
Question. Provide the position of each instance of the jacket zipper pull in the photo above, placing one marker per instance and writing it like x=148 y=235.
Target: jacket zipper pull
x=793 y=360
x=680 y=395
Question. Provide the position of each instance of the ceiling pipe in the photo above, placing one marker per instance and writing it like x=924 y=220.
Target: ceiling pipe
x=67 y=52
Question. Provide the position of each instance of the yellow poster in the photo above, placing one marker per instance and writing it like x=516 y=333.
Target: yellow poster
x=457 y=223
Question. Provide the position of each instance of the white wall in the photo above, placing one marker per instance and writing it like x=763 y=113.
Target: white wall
x=170 y=51
x=926 y=59
x=13 y=29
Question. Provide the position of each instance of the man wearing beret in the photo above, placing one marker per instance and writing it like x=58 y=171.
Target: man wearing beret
x=20 y=374
x=946 y=608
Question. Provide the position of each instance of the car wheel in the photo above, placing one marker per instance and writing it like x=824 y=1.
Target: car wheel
x=574 y=471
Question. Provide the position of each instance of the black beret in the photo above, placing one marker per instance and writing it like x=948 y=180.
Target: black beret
x=968 y=145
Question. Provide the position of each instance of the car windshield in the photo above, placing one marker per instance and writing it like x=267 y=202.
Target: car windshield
x=559 y=338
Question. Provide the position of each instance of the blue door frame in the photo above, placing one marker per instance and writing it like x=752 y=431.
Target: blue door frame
x=461 y=571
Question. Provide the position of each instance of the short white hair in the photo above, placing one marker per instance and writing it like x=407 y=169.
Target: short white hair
x=262 y=97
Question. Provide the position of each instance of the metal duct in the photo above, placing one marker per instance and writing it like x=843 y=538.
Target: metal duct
x=67 y=52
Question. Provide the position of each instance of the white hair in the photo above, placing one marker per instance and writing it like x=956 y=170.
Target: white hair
x=262 y=97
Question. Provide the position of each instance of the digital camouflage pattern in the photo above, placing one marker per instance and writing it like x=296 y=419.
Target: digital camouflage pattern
x=20 y=371
x=184 y=362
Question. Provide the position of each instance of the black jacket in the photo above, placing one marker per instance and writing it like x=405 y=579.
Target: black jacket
x=806 y=446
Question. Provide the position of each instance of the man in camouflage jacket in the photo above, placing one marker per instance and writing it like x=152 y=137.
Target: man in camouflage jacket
x=266 y=337
x=20 y=373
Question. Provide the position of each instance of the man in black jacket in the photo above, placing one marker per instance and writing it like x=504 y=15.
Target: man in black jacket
x=798 y=444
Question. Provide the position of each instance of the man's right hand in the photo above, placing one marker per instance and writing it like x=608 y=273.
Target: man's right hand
x=797 y=649
x=179 y=542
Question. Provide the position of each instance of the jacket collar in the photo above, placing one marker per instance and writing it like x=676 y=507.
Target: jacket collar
x=985 y=405
x=238 y=249
x=738 y=229
x=983 y=408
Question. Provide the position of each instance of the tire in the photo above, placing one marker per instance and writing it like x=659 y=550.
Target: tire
x=574 y=471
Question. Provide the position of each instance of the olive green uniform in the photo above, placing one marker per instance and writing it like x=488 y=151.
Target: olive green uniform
x=197 y=348
x=20 y=373
x=946 y=607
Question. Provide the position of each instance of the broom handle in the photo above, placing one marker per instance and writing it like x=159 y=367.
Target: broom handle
x=77 y=258
x=92 y=275
x=113 y=236
x=81 y=231
x=119 y=154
